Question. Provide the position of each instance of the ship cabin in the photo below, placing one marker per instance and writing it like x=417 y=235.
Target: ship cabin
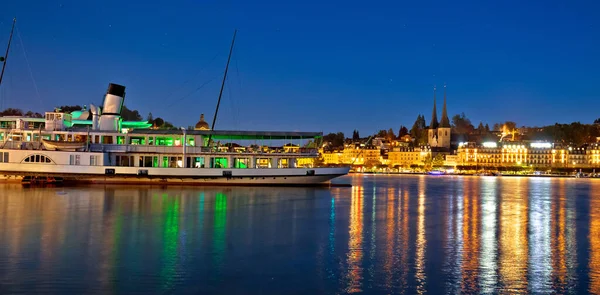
x=136 y=145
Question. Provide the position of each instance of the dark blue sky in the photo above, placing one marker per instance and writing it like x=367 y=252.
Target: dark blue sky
x=310 y=65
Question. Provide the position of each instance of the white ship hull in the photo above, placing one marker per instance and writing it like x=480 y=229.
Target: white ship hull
x=200 y=176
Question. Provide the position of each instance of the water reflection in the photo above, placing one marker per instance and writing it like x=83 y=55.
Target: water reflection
x=355 y=241
x=418 y=235
x=489 y=246
x=421 y=240
x=470 y=238
x=539 y=236
x=594 y=248
x=513 y=244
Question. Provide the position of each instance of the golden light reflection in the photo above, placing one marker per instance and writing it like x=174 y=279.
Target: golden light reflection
x=421 y=241
x=513 y=236
x=355 y=241
x=594 y=237
x=470 y=233
x=403 y=242
x=453 y=243
x=558 y=240
x=539 y=235
x=390 y=233
x=489 y=244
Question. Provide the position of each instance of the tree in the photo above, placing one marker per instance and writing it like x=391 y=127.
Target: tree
x=158 y=122
x=355 y=135
x=150 y=118
x=390 y=135
x=597 y=121
x=372 y=163
x=382 y=133
x=497 y=127
x=487 y=128
x=168 y=125
x=510 y=125
x=427 y=161
x=11 y=112
x=130 y=115
x=31 y=114
x=418 y=130
x=438 y=160
x=336 y=140
x=481 y=128
x=402 y=132
x=461 y=124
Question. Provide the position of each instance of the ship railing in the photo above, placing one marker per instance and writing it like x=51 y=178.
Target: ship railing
x=195 y=150
x=21 y=145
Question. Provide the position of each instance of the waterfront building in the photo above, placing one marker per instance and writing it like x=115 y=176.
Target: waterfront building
x=451 y=161
x=535 y=155
x=593 y=154
x=357 y=154
x=578 y=157
x=408 y=156
x=332 y=157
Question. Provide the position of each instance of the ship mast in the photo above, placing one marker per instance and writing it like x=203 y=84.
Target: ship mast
x=212 y=127
x=3 y=59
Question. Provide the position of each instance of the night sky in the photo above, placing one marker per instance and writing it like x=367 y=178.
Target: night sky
x=310 y=65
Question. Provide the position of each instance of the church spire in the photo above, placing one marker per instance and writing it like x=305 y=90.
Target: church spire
x=445 y=122
x=434 y=122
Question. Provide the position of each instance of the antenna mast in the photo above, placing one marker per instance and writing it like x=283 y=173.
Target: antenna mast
x=212 y=127
x=3 y=59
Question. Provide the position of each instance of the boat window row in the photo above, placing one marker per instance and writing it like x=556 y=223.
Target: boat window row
x=198 y=162
x=37 y=159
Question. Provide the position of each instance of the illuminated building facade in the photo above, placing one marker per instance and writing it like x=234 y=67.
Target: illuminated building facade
x=593 y=154
x=361 y=155
x=407 y=156
x=354 y=154
x=332 y=158
x=534 y=154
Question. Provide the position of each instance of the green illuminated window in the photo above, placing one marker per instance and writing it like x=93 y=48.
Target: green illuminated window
x=241 y=163
x=198 y=162
x=218 y=163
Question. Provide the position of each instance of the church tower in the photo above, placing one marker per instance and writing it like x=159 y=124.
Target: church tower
x=444 y=129
x=432 y=136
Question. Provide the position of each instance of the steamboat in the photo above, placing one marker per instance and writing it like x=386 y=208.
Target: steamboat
x=98 y=146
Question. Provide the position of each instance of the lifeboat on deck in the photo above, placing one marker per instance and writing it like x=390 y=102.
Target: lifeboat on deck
x=56 y=145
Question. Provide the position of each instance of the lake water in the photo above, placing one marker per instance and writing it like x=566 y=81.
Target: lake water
x=384 y=235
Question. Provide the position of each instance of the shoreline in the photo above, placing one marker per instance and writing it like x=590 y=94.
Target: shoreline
x=473 y=174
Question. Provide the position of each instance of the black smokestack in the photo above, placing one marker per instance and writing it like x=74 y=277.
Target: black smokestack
x=116 y=89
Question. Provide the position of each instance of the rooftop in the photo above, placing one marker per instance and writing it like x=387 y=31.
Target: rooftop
x=234 y=134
